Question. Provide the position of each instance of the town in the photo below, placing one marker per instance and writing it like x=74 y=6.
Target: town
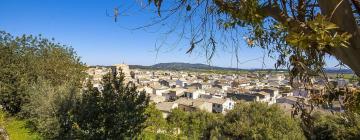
x=218 y=93
x=180 y=69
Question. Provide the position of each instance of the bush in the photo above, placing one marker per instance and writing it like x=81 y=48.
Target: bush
x=337 y=126
x=260 y=121
x=26 y=59
x=46 y=107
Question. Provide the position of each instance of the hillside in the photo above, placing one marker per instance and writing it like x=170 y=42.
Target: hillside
x=198 y=66
x=189 y=66
x=180 y=66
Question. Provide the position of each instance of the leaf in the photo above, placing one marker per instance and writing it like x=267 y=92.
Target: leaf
x=191 y=48
x=331 y=26
x=188 y=7
x=158 y=5
x=346 y=36
x=192 y=44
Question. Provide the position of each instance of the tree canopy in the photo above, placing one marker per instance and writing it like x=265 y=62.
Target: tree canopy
x=117 y=111
x=26 y=59
x=260 y=121
x=298 y=33
x=245 y=121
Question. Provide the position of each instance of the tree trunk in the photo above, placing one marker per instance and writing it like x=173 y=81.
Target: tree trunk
x=340 y=13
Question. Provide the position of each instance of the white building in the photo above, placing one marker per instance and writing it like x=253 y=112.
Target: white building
x=181 y=83
x=160 y=90
x=194 y=93
x=220 y=105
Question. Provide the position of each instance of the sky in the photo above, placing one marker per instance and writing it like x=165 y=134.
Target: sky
x=98 y=40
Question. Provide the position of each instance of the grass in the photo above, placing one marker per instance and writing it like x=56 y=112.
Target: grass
x=16 y=128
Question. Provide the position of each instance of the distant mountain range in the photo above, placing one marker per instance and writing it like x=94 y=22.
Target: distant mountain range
x=198 y=66
x=188 y=66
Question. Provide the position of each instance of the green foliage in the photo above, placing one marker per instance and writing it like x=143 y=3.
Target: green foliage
x=260 y=121
x=47 y=107
x=204 y=125
x=27 y=59
x=298 y=33
x=246 y=121
x=155 y=121
x=177 y=119
x=156 y=126
x=351 y=101
x=337 y=126
x=248 y=15
x=117 y=111
x=195 y=125
x=321 y=36
x=182 y=125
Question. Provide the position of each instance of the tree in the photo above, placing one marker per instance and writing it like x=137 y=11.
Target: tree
x=27 y=59
x=195 y=125
x=117 y=111
x=155 y=121
x=203 y=125
x=260 y=121
x=245 y=121
x=299 y=33
x=49 y=107
x=156 y=126
x=177 y=122
x=338 y=126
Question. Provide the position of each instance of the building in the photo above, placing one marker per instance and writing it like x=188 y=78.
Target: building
x=159 y=90
x=264 y=97
x=124 y=69
x=175 y=93
x=157 y=99
x=302 y=92
x=181 y=83
x=193 y=93
x=96 y=74
x=187 y=104
x=288 y=100
x=220 y=105
x=166 y=107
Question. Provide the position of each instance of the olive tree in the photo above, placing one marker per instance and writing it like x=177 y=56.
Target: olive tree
x=299 y=32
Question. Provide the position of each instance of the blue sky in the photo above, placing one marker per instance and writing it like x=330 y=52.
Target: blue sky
x=83 y=24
